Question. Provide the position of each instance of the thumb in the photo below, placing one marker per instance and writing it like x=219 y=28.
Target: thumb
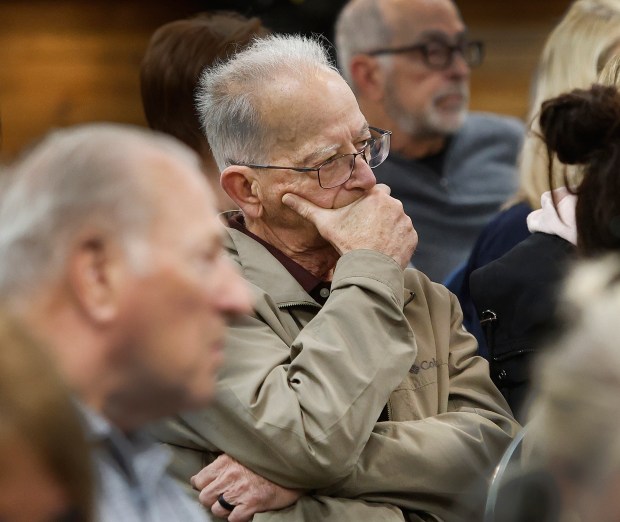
x=303 y=207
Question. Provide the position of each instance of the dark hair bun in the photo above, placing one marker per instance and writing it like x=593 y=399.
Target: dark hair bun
x=581 y=124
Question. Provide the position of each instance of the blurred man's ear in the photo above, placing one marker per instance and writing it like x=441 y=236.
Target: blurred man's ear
x=368 y=77
x=95 y=273
x=241 y=186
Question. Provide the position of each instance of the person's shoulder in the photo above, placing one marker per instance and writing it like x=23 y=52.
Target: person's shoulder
x=504 y=231
x=485 y=134
x=510 y=220
x=538 y=258
x=422 y=286
x=490 y=122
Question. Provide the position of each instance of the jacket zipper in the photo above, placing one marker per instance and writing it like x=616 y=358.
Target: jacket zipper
x=511 y=354
x=298 y=303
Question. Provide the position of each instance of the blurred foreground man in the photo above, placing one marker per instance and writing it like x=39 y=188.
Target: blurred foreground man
x=353 y=385
x=409 y=63
x=111 y=253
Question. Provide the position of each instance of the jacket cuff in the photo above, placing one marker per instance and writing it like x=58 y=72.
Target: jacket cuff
x=373 y=265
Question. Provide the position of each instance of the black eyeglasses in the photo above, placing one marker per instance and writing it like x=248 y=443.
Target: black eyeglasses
x=440 y=55
x=339 y=169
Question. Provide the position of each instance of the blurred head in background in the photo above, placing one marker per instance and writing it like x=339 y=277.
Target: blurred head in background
x=408 y=63
x=176 y=55
x=575 y=427
x=111 y=251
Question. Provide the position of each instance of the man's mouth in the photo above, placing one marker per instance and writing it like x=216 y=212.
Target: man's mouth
x=450 y=101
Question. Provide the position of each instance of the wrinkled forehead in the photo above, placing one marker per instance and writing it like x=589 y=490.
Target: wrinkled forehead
x=305 y=113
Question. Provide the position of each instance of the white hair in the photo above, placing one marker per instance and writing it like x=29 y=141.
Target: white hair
x=361 y=28
x=87 y=176
x=229 y=94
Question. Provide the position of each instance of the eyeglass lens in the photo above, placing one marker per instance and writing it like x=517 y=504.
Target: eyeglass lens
x=339 y=170
x=441 y=55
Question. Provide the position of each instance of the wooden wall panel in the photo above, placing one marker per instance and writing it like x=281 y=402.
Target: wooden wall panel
x=514 y=33
x=72 y=61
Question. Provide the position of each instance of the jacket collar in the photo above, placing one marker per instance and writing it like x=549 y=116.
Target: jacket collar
x=262 y=269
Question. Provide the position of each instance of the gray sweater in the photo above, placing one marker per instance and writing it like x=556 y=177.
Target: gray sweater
x=450 y=209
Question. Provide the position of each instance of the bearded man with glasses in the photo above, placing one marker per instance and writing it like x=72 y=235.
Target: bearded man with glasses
x=409 y=63
x=352 y=392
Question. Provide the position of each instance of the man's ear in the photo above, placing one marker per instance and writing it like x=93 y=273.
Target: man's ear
x=368 y=77
x=242 y=187
x=94 y=275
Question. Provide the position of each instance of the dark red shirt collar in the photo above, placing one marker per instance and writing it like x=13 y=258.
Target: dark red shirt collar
x=309 y=282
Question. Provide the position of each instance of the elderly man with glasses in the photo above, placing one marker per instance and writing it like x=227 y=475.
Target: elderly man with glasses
x=352 y=392
x=409 y=62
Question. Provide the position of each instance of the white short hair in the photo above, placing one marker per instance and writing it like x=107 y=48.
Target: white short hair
x=89 y=175
x=228 y=96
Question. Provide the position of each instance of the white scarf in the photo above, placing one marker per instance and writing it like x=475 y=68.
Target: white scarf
x=560 y=222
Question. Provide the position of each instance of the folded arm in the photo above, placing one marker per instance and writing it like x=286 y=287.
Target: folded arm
x=297 y=406
x=430 y=464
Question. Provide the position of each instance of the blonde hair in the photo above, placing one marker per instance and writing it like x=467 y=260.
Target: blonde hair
x=610 y=75
x=573 y=57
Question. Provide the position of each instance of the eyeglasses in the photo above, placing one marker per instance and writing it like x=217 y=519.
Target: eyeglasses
x=339 y=169
x=440 y=55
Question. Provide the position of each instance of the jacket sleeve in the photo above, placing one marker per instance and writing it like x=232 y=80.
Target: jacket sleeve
x=436 y=463
x=300 y=414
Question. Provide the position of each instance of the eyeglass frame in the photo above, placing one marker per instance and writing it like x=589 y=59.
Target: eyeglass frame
x=382 y=133
x=423 y=49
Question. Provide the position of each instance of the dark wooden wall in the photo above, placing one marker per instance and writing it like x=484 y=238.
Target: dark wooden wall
x=72 y=61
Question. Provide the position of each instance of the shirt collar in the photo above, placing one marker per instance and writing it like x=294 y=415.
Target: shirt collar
x=142 y=460
x=308 y=281
x=97 y=427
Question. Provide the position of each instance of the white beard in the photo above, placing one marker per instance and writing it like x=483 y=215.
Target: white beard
x=433 y=121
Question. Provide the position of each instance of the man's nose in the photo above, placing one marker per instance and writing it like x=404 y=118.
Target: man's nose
x=362 y=177
x=458 y=66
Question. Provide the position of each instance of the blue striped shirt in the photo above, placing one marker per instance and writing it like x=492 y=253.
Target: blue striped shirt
x=132 y=483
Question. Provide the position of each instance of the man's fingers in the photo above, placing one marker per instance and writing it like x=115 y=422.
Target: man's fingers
x=209 y=494
x=383 y=188
x=241 y=514
x=218 y=511
x=300 y=205
x=209 y=473
x=220 y=508
x=203 y=478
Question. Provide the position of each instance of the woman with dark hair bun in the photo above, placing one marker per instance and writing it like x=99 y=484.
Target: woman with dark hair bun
x=516 y=295
x=177 y=53
x=574 y=56
x=583 y=128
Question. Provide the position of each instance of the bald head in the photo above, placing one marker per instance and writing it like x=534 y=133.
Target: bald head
x=365 y=25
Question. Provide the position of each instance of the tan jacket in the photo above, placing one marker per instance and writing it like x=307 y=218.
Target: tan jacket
x=303 y=386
